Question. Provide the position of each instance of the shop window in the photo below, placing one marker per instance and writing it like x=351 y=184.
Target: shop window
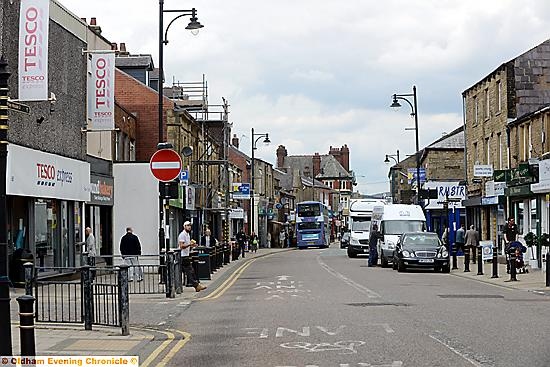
x=519 y=216
x=46 y=233
x=533 y=209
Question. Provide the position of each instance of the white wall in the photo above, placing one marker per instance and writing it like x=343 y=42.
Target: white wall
x=136 y=205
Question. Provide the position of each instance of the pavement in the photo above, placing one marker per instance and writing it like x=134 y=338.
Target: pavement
x=154 y=340
x=151 y=337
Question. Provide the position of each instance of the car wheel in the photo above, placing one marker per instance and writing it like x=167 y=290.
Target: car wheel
x=352 y=254
x=394 y=264
x=446 y=269
x=401 y=266
x=384 y=262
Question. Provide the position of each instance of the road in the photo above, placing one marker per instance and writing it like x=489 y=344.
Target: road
x=319 y=308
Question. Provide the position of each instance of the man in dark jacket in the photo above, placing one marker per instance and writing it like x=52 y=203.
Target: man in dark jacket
x=241 y=239
x=130 y=249
x=374 y=236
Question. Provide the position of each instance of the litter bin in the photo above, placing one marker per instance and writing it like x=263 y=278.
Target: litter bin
x=17 y=271
x=203 y=266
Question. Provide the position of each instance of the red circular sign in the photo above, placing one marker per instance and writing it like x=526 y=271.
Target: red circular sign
x=165 y=165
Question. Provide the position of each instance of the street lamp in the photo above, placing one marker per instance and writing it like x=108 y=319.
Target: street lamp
x=395 y=157
x=254 y=141
x=194 y=26
x=414 y=108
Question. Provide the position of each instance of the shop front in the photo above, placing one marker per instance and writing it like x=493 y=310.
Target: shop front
x=45 y=195
x=99 y=212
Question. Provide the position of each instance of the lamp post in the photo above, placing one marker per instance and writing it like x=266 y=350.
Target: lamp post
x=193 y=26
x=396 y=104
x=254 y=140
x=5 y=323
x=395 y=158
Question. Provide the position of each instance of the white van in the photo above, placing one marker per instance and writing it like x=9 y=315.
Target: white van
x=393 y=220
x=360 y=213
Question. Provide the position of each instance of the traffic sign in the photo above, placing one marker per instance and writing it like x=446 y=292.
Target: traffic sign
x=184 y=177
x=165 y=165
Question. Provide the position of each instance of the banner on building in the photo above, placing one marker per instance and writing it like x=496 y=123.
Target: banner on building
x=34 y=20
x=101 y=91
x=240 y=190
x=486 y=249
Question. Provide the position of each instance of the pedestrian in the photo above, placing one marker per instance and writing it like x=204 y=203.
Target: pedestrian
x=290 y=238
x=130 y=249
x=91 y=249
x=282 y=238
x=459 y=239
x=471 y=239
x=253 y=243
x=185 y=243
x=445 y=237
x=375 y=235
x=510 y=235
x=207 y=240
x=268 y=239
x=241 y=239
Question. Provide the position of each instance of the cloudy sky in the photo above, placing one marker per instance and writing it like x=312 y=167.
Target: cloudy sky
x=319 y=73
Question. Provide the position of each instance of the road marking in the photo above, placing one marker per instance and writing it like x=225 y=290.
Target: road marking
x=238 y=298
x=176 y=348
x=456 y=351
x=159 y=349
x=218 y=292
x=359 y=287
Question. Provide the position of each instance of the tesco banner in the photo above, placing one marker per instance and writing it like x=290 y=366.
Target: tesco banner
x=101 y=91
x=34 y=21
x=38 y=174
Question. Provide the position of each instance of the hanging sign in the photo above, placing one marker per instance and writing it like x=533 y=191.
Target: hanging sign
x=101 y=91
x=34 y=19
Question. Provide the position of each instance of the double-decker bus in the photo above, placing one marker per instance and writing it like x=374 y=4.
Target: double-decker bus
x=312 y=225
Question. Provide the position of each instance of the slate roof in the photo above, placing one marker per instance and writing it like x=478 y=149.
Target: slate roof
x=135 y=61
x=330 y=167
x=453 y=140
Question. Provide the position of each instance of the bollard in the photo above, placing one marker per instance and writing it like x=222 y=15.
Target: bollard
x=495 y=262
x=123 y=299
x=28 y=277
x=467 y=260
x=87 y=293
x=26 y=325
x=178 y=272
x=548 y=269
x=479 y=261
x=513 y=277
x=170 y=276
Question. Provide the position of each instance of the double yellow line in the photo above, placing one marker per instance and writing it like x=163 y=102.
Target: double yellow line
x=219 y=291
x=170 y=338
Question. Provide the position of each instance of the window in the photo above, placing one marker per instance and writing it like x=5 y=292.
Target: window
x=475 y=110
x=486 y=99
x=475 y=154
x=533 y=208
x=499 y=96
x=488 y=151
x=529 y=141
x=499 y=139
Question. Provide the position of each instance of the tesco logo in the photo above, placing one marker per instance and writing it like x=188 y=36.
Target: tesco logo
x=101 y=82
x=46 y=171
x=31 y=39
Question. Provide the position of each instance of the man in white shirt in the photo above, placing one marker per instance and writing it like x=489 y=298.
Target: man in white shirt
x=185 y=244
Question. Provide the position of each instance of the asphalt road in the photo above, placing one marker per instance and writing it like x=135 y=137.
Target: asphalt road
x=319 y=308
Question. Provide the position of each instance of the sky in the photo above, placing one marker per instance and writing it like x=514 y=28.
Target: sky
x=315 y=74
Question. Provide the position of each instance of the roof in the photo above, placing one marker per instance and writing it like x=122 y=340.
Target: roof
x=135 y=61
x=330 y=167
x=452 y=140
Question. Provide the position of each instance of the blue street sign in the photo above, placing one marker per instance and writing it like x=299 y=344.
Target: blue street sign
x=241 y=191
x=184 y=175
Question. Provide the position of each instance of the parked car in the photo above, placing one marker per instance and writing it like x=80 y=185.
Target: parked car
x=344 y=241
x=420 y=250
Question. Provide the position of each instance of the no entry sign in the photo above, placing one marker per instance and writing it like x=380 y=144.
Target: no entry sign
x=165 y=165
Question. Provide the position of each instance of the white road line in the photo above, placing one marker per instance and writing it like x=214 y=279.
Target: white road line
x=456 y=351
x=238 y=298
x=359 y=287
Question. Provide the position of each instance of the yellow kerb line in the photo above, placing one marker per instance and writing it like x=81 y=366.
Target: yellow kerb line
x=228 y=282
x=176 y=348
x=159 y=349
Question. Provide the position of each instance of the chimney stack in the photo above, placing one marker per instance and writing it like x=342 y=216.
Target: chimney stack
x=316 y=164
x=94 y=27
x=235 y=141
x=122 y=49
x=281 y=154
x=114 y=46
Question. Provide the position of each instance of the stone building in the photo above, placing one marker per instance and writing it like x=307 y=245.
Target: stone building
x=492 y=107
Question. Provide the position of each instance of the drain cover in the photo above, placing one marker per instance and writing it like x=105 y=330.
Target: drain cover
x=368 y=304
x=470 y=296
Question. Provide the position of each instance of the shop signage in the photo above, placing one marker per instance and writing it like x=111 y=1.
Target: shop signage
x=189 y=198
x=37 y=174
x=411 y=175
x=501 y=175
x=236 y=213
x=493 y=188
x=523 y=190
x=240 y=190
x=544 y=178
x=489 y=200
x=446 y=190
x=34 y=21
x=521 y=176
x=483 y=170
x=102 y=190
x=101 y=91
x=486 y=249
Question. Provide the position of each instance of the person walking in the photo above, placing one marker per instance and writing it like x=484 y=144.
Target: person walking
x=241 y=240
x=374 y=236
x=445 y=237
x=130 y=249
x=459 y=239
x=510 y=235
x=185 y=243
x=471 y=239
x=207 y=240
x=253 y=241
x=91 y=249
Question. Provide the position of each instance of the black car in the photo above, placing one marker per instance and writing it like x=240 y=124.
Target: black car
x=420 y=250
x=344 y=241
